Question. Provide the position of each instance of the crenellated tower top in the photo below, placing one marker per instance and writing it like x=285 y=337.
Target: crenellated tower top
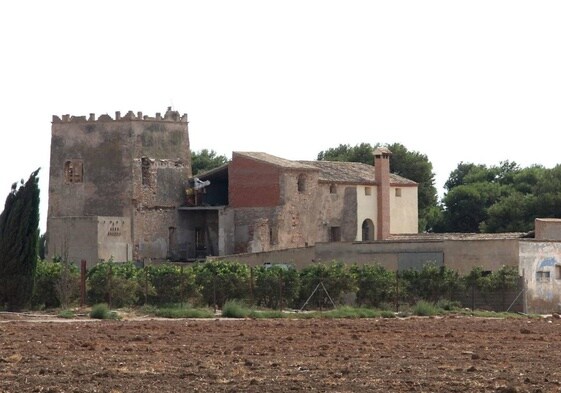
x=169 y=116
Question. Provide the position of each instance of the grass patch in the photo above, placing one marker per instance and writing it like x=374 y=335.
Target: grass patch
x=425 y=309
x=493 y=314
x=267 y=314
x=346 y=312
x=101 y=311
x=178 y=312
x=67 y=314
x=235 y=309
x=387 y=314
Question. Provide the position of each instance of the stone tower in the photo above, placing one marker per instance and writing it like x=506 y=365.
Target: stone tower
x=115 y=186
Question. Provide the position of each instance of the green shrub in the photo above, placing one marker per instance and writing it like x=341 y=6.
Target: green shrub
x=376 y=285
x=219 y=281
x=113 y=283
x=335 y=277
x=448 y=305
x=67 y=314
x=100 y=311
x=235 y=309
x=431 y=283
x=56 y=284
x=425 y=309
x=167 y=283
x=275 y=287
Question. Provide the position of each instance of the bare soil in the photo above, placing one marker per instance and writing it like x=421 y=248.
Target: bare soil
x=449 y=354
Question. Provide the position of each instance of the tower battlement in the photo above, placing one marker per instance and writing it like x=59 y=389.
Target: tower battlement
x=169 y=116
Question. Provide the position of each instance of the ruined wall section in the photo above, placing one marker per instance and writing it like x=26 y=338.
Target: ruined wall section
x=289 y=225
x=297 y=222
x=337 y=208
x=158 y=190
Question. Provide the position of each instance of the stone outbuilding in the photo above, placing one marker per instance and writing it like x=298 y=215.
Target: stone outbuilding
x=259 y=202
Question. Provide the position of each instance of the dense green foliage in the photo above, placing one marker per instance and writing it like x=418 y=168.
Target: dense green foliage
x=409 y=164
x=324 y=283
x=56 y=284
x=221 y=281
x=238 y=288
x=114 y=283
x=503 y=198
x=19 y=224
x=205 y=160
x=275 y=285
x=376 y=285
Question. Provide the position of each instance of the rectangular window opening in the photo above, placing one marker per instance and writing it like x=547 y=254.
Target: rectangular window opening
x=367 y=191
x=335 y=234
x=398 y=192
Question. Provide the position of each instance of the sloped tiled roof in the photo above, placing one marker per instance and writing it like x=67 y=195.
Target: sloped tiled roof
x=351 y=173
x=458 y=236
x=329 y=171
x=274 y=160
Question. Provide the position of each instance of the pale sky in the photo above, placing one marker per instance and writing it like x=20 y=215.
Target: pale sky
x=473 y=81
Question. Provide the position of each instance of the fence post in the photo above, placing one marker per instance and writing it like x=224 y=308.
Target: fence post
x=214 y=291
x=181 y=286
x=280 y=290
x=145 y=285
x=397 y=291
x=109 y=284
x=82 y=282
x=251 y=299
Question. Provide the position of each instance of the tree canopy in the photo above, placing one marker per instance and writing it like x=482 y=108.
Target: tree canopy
x=204 y=160
x=501 y=198
x=409 y=164
x=19 y=224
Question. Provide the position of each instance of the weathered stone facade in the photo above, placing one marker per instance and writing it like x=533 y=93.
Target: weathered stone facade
x=133 y=167
x=135 y=170
x=279 y=204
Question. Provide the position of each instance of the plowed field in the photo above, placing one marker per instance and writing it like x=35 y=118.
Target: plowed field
x=450 y=354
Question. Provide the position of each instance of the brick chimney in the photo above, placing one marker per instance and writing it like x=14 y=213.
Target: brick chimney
x=382 y=173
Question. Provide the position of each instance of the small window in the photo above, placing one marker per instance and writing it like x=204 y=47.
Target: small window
x=301 y=183
x=332 y=188
x=542 y=275
x=73 y=171
x=367 y=191
x=398 y=192
x=558 y=272
x=273 y=236
x=335 y=234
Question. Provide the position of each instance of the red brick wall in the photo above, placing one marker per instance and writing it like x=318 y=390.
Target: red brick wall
x=253 y=183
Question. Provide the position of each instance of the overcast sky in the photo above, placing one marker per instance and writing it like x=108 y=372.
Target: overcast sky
x=472 y=81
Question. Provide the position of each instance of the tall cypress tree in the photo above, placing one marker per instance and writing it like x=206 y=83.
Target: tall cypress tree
x=18 y=243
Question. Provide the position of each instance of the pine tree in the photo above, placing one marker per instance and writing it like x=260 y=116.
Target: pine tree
x=18 y=243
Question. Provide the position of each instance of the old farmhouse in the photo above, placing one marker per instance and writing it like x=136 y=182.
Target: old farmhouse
x=122 y=188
